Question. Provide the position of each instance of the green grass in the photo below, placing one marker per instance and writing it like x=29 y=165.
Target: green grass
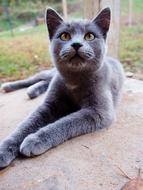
x=23 y=54
x=131 y=48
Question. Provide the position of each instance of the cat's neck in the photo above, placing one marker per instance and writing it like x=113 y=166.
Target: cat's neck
x=80 y=78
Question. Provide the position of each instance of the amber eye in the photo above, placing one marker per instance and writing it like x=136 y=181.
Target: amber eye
x=89 y=36
x=65 y=36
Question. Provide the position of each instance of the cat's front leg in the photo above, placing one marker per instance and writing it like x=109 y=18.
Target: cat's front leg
x=9 y=148
x=55 y=105
x=75 y=124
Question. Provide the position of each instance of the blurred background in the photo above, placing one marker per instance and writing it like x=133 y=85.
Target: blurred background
x=24 y=41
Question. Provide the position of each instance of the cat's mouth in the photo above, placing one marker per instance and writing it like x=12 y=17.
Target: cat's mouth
x=77 y=58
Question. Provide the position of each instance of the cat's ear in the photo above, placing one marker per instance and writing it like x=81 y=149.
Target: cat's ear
x=53 y=20
x=103 y=20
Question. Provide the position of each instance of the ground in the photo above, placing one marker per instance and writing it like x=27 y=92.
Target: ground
x=85 y=163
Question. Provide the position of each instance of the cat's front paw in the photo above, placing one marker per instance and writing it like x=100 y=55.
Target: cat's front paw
x=32 y=146
x=5 y=159
x=6 y=87
x=7 y=155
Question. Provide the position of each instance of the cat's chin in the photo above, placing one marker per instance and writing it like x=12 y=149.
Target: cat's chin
x=77 y=65
x=76 y=62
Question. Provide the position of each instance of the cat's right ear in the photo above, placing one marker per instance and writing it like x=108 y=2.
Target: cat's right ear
x=53 y=20
x=103 y=21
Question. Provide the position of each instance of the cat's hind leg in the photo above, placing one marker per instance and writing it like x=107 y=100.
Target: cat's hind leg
x=43 y=75
x=15 y=85
x=37 y=89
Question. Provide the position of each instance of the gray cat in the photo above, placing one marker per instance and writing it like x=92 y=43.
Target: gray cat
x=83 y=88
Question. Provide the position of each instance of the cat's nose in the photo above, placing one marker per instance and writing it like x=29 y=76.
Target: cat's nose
x=76 y=46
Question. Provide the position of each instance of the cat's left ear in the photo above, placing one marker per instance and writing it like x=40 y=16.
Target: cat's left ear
x=53 y=20
x=102 y=20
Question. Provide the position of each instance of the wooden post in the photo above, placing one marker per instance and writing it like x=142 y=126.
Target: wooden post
x=92 y=7
x=64 y=5
x=130 y=12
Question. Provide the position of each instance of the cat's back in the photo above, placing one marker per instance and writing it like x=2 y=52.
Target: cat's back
x=115 y=64
x=116 y=69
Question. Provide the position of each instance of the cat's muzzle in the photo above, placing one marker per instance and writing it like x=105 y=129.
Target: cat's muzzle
x=72 y=55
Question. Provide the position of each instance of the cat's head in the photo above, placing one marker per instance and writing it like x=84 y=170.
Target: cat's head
x=79 y=45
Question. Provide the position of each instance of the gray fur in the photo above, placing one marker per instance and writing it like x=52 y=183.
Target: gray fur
x=36 y=84
x=82 y=94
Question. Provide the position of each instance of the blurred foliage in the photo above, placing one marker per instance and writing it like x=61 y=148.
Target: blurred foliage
x=131 y=38
x=19 y=12
x=137 y=7
x=18 y=2
x=27 y=51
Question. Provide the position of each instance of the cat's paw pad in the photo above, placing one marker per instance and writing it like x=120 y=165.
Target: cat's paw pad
x=6 y=87
x=31 y=146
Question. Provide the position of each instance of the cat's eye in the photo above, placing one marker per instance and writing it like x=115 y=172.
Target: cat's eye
x=65 y=36
x=89 y=36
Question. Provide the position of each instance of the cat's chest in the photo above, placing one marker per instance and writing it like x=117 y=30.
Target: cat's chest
x=79 y=93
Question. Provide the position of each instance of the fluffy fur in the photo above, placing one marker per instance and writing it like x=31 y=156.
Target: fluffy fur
x=82 y=89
